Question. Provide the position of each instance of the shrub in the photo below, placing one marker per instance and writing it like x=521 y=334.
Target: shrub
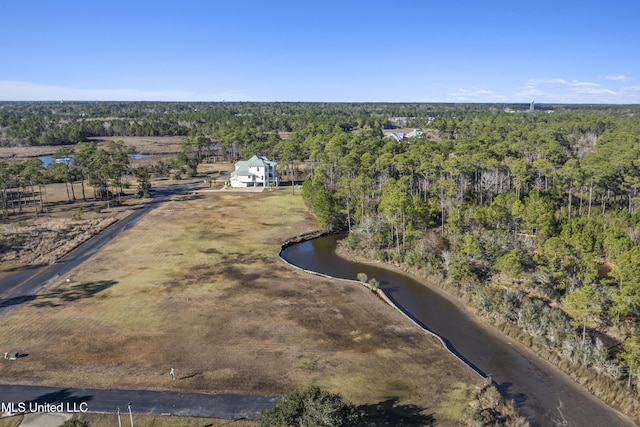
x=312 y=407
x=362 y=277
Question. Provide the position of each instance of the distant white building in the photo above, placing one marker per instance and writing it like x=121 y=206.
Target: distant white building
x=398 y=136
x=416 y=133
x=401 y=121
x=257 y=171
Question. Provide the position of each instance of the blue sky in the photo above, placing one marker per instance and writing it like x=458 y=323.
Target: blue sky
x=310 y=50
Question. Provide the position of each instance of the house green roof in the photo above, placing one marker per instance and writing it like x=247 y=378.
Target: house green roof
x=242 y=166
x=242 y=170
x=257 y=161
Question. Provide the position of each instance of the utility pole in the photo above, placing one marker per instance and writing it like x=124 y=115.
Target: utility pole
x=130 y=415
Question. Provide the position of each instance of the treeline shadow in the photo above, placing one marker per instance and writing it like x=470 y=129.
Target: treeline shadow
x=73 y=293
x=60 y=296
x=8 y=302
x=389 y=413
x=59 y=396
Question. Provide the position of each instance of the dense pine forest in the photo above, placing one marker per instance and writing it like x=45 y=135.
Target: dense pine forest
x=530 y=216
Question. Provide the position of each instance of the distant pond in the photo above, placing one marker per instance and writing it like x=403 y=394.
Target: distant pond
x=47 y=160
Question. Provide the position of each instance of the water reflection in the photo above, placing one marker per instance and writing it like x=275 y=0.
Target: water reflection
x=47 y=160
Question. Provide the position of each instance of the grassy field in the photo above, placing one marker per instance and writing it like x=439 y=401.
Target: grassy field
x=11 y=421
x=197 y=286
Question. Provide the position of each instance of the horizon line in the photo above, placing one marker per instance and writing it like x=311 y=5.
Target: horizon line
x=62 y=101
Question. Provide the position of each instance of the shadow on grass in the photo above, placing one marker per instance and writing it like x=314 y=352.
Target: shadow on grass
x=60 y=296
x=186 y=377
x=8 y=302
x=72 y=293
x=390 y=413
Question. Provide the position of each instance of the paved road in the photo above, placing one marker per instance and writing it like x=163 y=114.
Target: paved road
x=12 y=281
x=227 y=406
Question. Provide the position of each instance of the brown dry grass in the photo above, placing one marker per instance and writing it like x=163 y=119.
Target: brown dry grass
x=147 y=144
x=13 y=421
x=197 y=285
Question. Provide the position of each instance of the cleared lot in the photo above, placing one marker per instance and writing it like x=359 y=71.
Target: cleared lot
x=197 y=285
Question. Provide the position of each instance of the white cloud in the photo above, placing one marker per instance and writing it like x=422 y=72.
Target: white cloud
x=478 y=95
x=27 y=91
x=576 y=83
x=545 y=90
x=549 y=83
x=592 y=90
x=575 y=91
x=535 y=83
x=619 y=78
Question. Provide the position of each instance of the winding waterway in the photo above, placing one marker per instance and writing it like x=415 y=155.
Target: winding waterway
x=546 y=396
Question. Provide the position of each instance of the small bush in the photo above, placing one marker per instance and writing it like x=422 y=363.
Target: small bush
x=312 y=407
x=76 y=216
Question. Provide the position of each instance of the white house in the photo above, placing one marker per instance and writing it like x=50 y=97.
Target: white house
x=398 y=136
x=257 y=171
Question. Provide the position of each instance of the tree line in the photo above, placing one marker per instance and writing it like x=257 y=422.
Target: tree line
x=66 y=123
x=533 y=218
x=101 y=167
